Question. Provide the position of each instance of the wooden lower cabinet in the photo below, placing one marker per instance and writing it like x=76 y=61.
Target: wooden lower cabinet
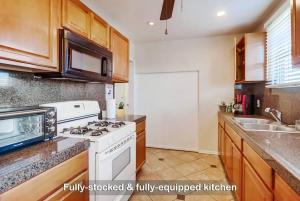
x=67 y=195
x=140 y=145
x=247 y=170
x=49 y=185
x=237 y=171
x=141 y=150
x=219 y=139
x=222 y=138
x=228 y=157
x=221 y=143
x=253 y=187
x=283 y=192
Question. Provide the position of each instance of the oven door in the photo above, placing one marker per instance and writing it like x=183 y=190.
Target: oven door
x=117 y=164
x=84 y=60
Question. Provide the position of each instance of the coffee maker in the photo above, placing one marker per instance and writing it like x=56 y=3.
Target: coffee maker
x=244 y=104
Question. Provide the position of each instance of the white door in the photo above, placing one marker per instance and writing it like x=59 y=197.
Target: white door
x=170 y=101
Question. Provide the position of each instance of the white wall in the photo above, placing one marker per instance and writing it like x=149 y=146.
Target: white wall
x=213 y=57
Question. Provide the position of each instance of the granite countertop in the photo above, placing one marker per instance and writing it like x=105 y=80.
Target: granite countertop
x=132 y=118
x=279 y=150
x=19 y=166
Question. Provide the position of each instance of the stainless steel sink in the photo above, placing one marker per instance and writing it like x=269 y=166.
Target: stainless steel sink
x=252 y=120
x=255 y=124
x=267 y=127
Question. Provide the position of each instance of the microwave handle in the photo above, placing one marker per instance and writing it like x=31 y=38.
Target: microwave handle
x=104 y=66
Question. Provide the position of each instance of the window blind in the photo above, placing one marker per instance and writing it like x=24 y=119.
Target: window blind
x=280 y=72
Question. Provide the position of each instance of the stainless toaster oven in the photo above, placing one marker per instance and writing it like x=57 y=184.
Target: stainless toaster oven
x=23 y=126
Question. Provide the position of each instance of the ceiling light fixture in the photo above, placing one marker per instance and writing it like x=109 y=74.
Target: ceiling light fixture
x=151 y=23
x=221 y=13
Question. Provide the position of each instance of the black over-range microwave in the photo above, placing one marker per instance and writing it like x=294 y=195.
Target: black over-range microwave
x=82 y=60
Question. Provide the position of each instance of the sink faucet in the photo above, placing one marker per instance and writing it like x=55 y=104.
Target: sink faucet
x=276 y=116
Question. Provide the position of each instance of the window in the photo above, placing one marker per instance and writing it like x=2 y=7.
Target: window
x=280 y=72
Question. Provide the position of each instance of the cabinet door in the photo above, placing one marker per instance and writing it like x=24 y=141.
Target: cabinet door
x=29 y=34
x=228 y=156
x=76 y=17
x=296 y=32
x=223 y=146
x=120 y=49
x=219 y=139
x=253 y=187
x=99 y=31
x=237 y=171
x=255 y=44
x=67 y=195
x=283 y=192
x=140 y=150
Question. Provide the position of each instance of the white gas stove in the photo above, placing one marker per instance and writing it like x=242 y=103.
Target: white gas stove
x=112 y=153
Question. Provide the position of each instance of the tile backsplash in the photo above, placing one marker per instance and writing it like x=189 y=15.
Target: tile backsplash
x=286 y=100
x=21 y=89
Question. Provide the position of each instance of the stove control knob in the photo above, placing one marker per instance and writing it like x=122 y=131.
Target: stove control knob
x=51 y=129
x=51 y=114
x=51 y=121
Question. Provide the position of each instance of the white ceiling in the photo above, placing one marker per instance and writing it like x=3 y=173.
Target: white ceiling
x=197 y=19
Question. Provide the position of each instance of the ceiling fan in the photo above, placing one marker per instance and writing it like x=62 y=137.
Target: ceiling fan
x=167 y=11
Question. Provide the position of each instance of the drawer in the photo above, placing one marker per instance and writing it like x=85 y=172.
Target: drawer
x=140 y=127
x=236 y=139
x=260 y=166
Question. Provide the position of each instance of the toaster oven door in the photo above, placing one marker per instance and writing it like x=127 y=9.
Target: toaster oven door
x=20 y=131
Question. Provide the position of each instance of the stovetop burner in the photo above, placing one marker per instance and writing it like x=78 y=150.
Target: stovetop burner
x=106 y=124
x=94 y=128
x=118 y=124
x=78 y=130
x=99 y=132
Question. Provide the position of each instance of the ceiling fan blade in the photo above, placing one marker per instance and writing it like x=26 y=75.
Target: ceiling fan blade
x=167 y=9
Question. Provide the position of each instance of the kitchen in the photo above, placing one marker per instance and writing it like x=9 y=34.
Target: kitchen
x=145 y=93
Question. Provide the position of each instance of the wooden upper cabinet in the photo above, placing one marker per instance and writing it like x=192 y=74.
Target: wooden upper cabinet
x=99 y=31
x=76 y=17
x=296 y=32
x=253 y=187
x=28 y=34
x=283 y=192
x=119 y=45
x=250 y=56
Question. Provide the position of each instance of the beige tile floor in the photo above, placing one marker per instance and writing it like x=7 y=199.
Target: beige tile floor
x=164 y=164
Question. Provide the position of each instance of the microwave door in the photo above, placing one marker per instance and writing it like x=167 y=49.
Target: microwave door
x=82 y=63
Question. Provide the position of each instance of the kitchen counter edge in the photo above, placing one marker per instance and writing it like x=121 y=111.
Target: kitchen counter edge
x=21 y=165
